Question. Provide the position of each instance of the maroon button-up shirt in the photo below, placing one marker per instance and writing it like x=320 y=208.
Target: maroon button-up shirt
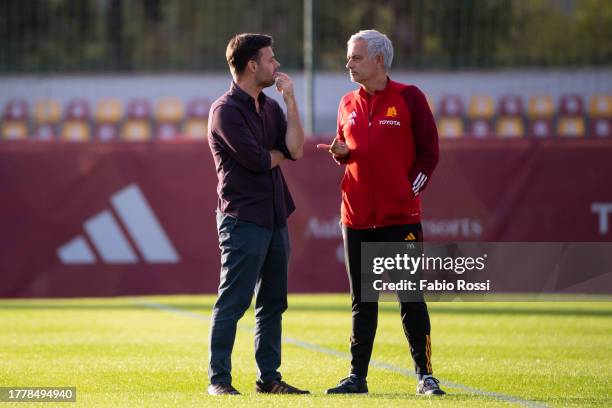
x=240 y=139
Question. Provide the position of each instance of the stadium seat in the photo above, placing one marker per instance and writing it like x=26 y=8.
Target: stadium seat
x=450 y=128
x=15 y=120
x=450 y=120
x=196 y=125
x=169 y=113
x=509 y=127
x=451 y=105
x=510 y=105
x=601 y=127
x=601 y=106
x=136 y=130
x=76 y=121
x=109 y=112
x=510 y=117
x=600 y=112
x=480 y=114
x=540 y=112
x=137 y=127
x=571 y=121
x=47 y=115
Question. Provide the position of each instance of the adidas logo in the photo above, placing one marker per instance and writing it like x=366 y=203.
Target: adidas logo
x=112 y=246
x=410 y=237
x=351 y=118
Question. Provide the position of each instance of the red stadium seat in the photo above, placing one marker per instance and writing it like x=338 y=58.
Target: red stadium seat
x=139 y=109
x=571 y=105
x=601 y=127
x=15 y=120
x=451 y=105
x=541 y=128
x=510 y=105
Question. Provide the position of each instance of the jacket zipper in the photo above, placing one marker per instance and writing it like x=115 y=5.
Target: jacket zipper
x=370 y=115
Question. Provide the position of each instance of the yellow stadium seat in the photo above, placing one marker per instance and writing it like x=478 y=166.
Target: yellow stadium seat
x=47 y=111
x=450 y=127
x=541 y=106
x=170 y=110
x=196 y=129
x=14 y=130
x=481 y=107
x=600 y=106
x=571 y=126
x=75 y=131
x=135 y=130
x=509 y=127
x=109 y=111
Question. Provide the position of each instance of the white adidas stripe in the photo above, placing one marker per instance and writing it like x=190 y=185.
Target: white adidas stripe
x=139 y=220
x=416 y=181
x=422 y=183
x=419 y=182
x=109 y=241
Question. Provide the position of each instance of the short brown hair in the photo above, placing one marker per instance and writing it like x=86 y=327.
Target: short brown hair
x=243 y=48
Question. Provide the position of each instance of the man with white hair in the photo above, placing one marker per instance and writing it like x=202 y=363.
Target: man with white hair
x=387 y=138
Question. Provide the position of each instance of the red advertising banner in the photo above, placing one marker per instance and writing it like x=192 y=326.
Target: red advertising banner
x=105 y=219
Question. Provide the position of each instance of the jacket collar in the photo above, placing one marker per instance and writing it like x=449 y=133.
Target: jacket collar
x=362 y=92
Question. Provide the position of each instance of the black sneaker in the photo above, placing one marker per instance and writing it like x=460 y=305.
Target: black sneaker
x=350 y=385
x=429 y=386
x=222 y=389
x=277 y=387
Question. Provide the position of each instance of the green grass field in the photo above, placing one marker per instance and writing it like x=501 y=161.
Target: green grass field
x=152 y=351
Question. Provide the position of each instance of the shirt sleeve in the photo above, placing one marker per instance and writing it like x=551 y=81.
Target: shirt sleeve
x=425 y=136
x=231 y=131
x=281 y=144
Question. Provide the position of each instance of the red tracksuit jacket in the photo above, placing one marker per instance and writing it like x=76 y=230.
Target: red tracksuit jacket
x=393 y=144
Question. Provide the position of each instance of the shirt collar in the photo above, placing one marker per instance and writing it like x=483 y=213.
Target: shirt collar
x=245 y=97
x=365 y=95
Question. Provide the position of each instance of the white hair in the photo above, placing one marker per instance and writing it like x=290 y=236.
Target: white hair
x=378 y=44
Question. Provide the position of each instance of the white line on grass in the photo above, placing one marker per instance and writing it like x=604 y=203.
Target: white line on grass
x=344 y=355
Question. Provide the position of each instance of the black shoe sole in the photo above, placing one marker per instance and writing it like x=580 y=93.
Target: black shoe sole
x=282 y=393
x=344 y=392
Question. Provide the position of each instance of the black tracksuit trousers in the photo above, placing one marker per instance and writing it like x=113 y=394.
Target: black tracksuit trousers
x=415 y=317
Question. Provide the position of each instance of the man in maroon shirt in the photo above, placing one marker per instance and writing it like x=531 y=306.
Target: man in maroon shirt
x=387 y=138
x=249 y=137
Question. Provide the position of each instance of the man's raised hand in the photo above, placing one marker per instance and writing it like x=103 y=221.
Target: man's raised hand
x=338 y=148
